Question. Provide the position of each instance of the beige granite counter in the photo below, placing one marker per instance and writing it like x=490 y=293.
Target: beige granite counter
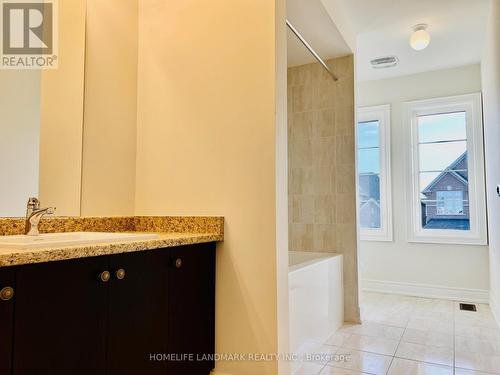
x=16 y=257
x=173 y=231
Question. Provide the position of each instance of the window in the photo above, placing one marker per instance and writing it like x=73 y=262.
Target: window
x=374 y=178
x=450 y=203
x=446 y=176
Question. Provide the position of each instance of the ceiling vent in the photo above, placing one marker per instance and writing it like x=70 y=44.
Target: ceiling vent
x=384 y=62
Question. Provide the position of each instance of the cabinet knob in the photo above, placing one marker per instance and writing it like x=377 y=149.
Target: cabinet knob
x=178 y=263
x=6 y=293
x=105 y=276
x=120 y=274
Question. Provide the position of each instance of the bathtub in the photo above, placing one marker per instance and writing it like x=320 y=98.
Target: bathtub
x=316 y=298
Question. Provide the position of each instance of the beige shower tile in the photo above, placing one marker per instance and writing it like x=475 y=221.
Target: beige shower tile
x=344 y=150
x=324 y=237
x=346 y=207
x=323 y=151
x=324 y=209
x=322 y=177
x=323 y=94
x=302 y=98
x=303 y=209
x=344 y=120
x=346 y=239
x=323 y=123
x=344 y=179
x=301 y=126
x=300 y=75
x=300 y=153
x=301 y=237
x=301 y=181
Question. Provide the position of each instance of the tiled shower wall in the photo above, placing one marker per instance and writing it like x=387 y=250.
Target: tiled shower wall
x=321 y=152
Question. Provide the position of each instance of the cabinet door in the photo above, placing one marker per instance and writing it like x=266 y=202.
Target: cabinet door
x=137 y=327
x=191 y=308
x=6 y=319
x=60 y=310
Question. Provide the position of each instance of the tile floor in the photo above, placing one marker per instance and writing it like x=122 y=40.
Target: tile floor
x=409 y=336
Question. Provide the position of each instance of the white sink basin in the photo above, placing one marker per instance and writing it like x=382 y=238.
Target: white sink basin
x=70 y=239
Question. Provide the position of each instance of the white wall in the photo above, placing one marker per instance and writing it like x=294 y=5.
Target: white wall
x=444 y=266
x=491 y=102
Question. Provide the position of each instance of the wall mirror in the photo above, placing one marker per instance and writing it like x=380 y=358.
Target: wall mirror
x=41 y=120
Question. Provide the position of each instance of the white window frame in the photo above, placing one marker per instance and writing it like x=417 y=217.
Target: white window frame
x=382 y=114
x=471 y=105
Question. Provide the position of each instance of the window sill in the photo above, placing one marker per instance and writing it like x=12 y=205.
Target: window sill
x=449 y=240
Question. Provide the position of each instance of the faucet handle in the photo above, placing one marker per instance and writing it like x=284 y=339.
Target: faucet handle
x=33 y=203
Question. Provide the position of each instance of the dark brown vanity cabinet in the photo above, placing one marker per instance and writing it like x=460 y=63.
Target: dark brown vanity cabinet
x=132 y=313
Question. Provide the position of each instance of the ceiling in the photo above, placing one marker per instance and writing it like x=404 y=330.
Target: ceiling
x=311 y=19
x=383 y=27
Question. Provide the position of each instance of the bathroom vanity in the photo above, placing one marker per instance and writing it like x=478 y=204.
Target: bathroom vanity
x=127 y=308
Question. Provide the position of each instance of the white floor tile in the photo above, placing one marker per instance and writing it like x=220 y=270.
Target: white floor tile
x=472 y=345
x=338 y=338
x=308 y=369
x=407 y=367
x=327 y=370
x=374 y=329
x=431 y=324
x=417 y=336
x=460 y=371
x=480 y=333
x=478 y=362
x=320 y=354
x=377 y=345
x=425 y=353
x=370 y=363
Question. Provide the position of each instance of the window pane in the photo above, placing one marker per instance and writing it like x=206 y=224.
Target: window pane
x=444 y=200
x=443 y=151
x=439 y=156
x=450 y=202
x=368 y=134
x=442 y=127
x=369 y=198
x=369 y=160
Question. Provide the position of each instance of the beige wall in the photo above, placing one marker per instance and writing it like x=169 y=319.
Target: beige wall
x=206 y=146
x=322 y=200
x=448 y=266
x=19 y=139
x=61 y=121
x=108 y=176
x=491 y=101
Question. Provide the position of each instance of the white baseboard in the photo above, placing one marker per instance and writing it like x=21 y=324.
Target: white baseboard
x=426 y=291
x=495 y=308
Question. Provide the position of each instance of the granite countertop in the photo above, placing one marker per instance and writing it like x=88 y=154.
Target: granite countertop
x=172 y=231
x=16 y=257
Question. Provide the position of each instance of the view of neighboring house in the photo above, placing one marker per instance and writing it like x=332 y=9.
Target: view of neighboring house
x=369 y=196
x=445 y=201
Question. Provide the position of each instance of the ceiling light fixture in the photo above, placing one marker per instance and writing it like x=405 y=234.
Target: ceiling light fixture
x=420 y=38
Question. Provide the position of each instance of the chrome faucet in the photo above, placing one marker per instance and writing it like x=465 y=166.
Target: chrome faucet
x=33 y=215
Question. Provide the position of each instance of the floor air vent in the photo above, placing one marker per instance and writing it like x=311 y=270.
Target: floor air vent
x=467 y=307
